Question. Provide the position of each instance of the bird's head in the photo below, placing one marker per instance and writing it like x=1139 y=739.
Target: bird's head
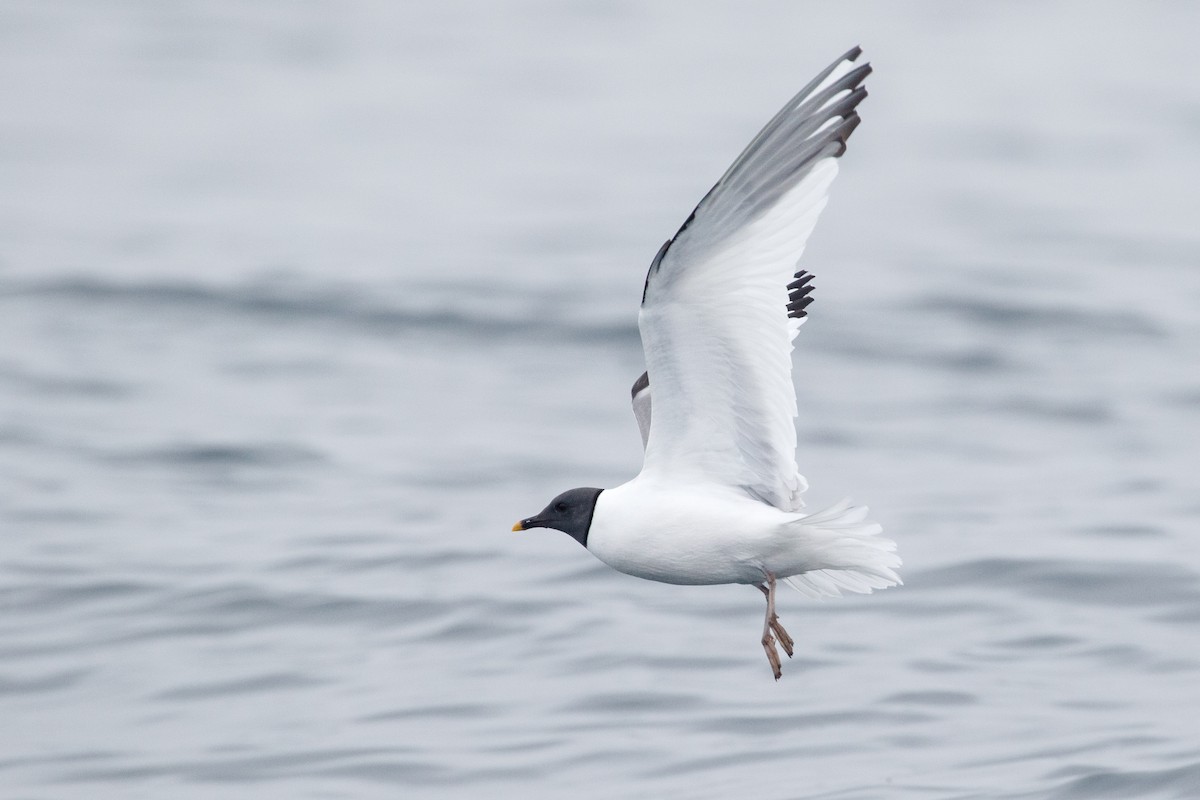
x=570 y=512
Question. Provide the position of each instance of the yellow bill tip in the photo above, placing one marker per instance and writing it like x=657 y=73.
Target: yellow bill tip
x=518 y=526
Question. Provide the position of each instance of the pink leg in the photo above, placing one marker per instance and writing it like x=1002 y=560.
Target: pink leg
x=771 y=623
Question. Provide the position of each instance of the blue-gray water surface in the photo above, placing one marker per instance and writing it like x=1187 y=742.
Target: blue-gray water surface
x=301 y=305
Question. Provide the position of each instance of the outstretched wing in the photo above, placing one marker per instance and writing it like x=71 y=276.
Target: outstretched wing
x=798 y=301
x=716 y=321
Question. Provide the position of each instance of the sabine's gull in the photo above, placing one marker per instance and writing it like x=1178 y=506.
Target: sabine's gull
x=718 y=497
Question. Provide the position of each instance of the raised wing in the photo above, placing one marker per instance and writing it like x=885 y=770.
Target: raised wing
x=718 y=314
x=799 y=292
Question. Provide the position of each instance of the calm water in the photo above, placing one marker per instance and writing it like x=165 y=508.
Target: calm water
x=301 y=305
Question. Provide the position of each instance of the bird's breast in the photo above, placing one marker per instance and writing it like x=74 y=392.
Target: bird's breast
x=681 y=537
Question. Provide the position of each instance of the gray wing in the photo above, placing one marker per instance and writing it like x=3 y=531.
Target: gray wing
x=717 y=316
x=641 y=405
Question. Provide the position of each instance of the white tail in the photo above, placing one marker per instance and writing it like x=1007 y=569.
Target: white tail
x=854 y=557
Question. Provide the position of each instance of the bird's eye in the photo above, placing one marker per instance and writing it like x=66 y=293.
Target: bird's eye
x=560 y=507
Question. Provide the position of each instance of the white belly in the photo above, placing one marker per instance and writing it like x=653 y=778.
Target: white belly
x=684 y=537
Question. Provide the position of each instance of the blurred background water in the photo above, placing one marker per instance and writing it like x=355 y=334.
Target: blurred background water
x=302 y=304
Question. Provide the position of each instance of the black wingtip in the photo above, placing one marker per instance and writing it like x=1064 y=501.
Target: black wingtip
x=802 y=277
x=799 y=292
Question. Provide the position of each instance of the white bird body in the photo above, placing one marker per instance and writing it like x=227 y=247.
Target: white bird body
x=683 y=534
x=670 y=533
x=718 y=499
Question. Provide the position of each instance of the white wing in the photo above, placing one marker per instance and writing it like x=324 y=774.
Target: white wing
x=798 y=301
x=715 y=321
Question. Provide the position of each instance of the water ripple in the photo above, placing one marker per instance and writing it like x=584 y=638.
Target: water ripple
x=1177 y=782
x=1076 y=581
x=529 y=315
x=42 y=683
x=1027 y=317
x=932 y=698
x=274 y=682
x=213 y=455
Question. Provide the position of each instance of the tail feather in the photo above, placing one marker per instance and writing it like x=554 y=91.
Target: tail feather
x=852 y=554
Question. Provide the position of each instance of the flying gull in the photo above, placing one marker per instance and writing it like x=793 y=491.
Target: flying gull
x=718 y=497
